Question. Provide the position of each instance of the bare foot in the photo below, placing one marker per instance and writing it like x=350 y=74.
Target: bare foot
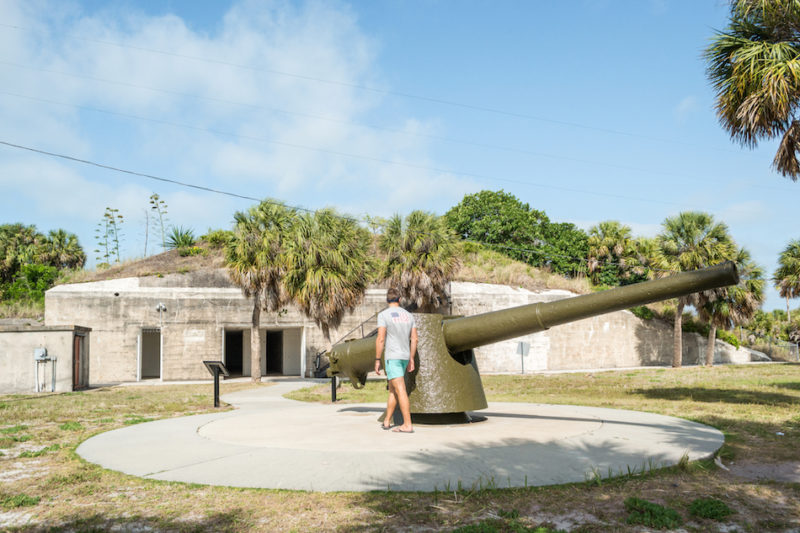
x=403 y=429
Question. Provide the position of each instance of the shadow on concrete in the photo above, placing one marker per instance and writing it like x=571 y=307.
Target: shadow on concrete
x=498 y=414
x=469 y=467
x=650 y=345
x=736 y=396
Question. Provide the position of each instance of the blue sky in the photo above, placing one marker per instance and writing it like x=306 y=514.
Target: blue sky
x=589 y=110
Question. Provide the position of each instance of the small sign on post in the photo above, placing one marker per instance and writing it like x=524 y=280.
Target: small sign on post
x=522 y=349
x=216 y=367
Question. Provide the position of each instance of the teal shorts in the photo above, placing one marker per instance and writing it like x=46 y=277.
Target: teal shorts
x=396 y=368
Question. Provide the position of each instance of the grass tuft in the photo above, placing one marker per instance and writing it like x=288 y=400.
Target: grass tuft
x=39 y=453
x=13 y=429
x=645 y=513
x=71 y=426
x=710 y=508
x=131 y=420
x=18 y=500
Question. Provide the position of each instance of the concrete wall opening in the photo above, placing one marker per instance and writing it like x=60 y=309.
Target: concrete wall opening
x=282 y=351
x=274 y=352
x=234 y=351
x=80 y=362
x=151 y=354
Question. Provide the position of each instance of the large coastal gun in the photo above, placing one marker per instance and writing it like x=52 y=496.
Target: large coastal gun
x=446 y=383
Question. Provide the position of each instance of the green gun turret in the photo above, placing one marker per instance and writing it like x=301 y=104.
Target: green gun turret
x=447 y=382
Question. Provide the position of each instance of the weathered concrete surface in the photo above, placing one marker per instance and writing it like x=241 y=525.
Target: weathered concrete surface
x=613 y=340
x=201 y=306
x=273 y=442
x=17 y=364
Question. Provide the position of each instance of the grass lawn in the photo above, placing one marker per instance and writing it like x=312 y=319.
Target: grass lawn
x=45 y=486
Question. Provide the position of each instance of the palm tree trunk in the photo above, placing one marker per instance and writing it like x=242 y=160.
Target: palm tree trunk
x=712 y=337
x=677 y=353
x=788 y=314
x=255 y=342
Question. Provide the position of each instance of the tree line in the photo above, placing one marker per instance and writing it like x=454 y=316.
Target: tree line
x=323 y=261
x=31 y=261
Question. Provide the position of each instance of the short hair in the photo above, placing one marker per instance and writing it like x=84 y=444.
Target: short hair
x=392 y=295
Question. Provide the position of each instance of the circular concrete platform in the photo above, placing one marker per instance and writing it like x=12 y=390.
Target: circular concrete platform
x=272 y=442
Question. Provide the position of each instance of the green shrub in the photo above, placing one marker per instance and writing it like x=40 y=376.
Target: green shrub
x=191 y=250
x=30 y=283
x=651 y=514
x=217 y=238
x=643 y=312
x=709 y=508
x=728 y=337
x=692 y=326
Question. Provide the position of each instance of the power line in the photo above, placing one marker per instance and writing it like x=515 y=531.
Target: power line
x=653 y=171
x=377 y=160
x=377 y=90
x=327 y=119
x=549 y=256
x=131 y=172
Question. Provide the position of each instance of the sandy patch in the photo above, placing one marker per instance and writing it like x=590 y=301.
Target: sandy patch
x=20 y=470
x=567 y=522
x=15 y=519
x=787 y=472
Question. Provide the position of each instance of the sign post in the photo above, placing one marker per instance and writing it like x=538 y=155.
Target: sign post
x=215 y=368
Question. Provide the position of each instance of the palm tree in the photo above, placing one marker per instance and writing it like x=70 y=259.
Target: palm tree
x=726 y=307
x=61 y=249
x=421 y=258
x=327 y=267
x=690 y=241
x=753 y=65
x=256 y=262
x=787 y=276
x=19 y=245
x=612 y=253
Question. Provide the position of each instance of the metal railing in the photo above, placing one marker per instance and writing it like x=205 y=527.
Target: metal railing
x=777 y=349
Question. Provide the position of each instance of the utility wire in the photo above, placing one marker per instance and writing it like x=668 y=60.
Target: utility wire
x=541 y=253
x=653 y=171
x=384 y=161
x=376 y=90
x=131 y=172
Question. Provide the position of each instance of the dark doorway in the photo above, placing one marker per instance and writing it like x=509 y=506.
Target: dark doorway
x=233 y=351
x=274 y=352
x=151 y=353
x=77 y=362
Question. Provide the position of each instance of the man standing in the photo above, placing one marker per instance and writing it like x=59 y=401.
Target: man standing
x=398 y=334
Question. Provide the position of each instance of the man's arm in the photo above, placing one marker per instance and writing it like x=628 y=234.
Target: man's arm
x=413 y=349
x=380 y=342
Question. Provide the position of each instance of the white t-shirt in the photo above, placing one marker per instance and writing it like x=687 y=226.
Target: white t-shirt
x=398 y=323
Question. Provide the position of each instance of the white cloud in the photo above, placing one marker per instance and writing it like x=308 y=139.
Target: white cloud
x=743 y=212
x=685 y=107
x=226 y=80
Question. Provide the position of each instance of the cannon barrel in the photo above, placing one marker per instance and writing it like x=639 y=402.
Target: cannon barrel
x=446 y=380
x=495 y=326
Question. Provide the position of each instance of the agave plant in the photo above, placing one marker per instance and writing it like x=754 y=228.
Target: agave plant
x=180 y=237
